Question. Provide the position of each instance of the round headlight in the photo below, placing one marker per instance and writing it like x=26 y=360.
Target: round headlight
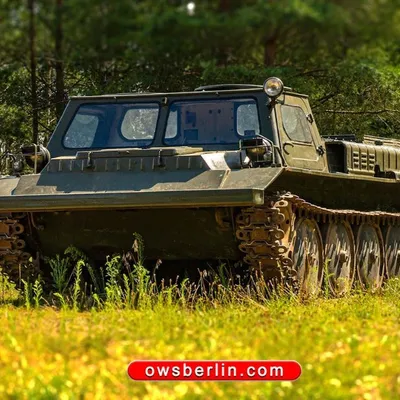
x=273 y=87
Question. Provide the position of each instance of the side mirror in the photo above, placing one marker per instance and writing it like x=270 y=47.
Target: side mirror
x=36 y=156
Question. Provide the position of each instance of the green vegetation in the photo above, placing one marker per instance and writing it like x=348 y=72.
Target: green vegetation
x=74 y=339
x=71 y=335
x=344 y=54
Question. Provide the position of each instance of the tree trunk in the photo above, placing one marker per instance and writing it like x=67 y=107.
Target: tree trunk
x=59 y=63
x=33 y=66
x=270 y=48
x=222 y=53
x=224 y=6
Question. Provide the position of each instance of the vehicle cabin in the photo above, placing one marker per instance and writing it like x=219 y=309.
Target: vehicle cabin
x=271 y=124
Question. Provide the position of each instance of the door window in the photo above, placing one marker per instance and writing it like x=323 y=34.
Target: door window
x=296 y=124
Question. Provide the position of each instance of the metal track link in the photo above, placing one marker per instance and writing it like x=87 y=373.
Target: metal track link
x=12 y=246
x=266 y=233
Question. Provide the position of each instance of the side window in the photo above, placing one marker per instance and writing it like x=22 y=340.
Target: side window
x=247 y=120
x=81 y=132
x=172 y=125
x=140 y=123
x=296 y=124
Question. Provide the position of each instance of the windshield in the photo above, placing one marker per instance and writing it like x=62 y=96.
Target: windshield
x=194 y=122
x=112 y=125
x=211 y=122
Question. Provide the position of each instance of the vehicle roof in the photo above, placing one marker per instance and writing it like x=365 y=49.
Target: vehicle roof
x=212 y=91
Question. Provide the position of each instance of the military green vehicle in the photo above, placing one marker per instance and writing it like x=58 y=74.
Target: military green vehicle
x=225 y=172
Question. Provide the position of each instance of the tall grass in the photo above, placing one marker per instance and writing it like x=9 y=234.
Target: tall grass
x=124 y=283
x=134 y=315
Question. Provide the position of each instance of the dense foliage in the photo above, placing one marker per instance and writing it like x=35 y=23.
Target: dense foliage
x=344 y=54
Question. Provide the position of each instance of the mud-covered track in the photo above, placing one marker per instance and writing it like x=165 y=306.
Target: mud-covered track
x=14 y=227
x=293 y=237
x=287 y=238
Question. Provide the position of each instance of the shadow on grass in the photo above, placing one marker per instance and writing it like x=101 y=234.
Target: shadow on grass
x=74 y=283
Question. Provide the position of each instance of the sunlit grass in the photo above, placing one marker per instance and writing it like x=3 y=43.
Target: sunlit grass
x=73 y=339
x=348 y=348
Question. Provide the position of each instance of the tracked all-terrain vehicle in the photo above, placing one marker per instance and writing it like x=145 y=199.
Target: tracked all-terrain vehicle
x=228 y=172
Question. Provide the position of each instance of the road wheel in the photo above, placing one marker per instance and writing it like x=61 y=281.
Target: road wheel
x=340 y=257
x=307 y=255
x=370 y=256
x=392 y=249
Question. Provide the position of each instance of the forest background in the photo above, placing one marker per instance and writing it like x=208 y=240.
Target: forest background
x=343 y=53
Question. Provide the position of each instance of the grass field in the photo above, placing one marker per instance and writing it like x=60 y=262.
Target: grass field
x=348 y=348
x=73 y=336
